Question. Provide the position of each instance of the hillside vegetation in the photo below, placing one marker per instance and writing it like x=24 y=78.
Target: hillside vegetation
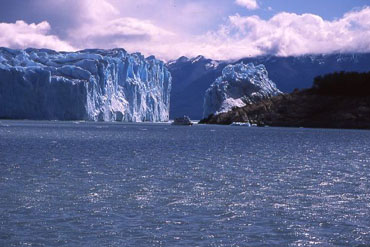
x=337 y=100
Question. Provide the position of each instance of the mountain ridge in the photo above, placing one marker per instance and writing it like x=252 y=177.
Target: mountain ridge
x=192 y=79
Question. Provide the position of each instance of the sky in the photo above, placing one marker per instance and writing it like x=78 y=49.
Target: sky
x=168 y=29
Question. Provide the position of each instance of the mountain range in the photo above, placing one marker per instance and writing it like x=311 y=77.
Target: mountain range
x=191 y=77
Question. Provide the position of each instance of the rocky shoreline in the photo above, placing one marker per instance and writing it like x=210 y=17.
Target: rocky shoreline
x=305 y=108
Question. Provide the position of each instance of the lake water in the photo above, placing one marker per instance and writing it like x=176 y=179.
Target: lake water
x=100 y=184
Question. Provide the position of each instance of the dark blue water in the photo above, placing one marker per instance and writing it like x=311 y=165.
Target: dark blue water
x=96 y=184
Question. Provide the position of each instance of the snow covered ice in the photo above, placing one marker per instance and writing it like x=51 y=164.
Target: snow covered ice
x=239 y=85
x=98 y=85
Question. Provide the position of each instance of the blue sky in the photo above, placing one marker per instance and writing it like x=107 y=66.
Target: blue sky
x=328 y=9
x=220 y=29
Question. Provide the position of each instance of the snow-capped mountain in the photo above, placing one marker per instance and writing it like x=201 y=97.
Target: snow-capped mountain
x=239 y=85
x=192 y=77
x=99 y=85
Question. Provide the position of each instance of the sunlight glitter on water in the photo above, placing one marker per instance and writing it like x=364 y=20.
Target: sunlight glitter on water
x=102 y=184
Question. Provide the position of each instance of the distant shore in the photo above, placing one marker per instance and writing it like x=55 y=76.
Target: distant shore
x=302 y=109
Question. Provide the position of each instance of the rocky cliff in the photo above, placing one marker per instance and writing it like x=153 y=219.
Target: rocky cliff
x=303 y=108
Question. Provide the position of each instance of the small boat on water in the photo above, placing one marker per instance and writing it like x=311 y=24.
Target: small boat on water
x=185 y=120
x=247 y=124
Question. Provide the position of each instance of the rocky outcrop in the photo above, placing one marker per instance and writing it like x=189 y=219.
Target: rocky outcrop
x=302 y=109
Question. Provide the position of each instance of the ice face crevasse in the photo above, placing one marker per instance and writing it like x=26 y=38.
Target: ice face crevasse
x=97 y=85
x=239 y=85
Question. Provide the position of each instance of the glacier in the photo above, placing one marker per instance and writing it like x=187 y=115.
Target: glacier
x=239 y=85
x=93 y=85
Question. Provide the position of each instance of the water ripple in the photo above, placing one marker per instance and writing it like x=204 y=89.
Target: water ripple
x=98 y=184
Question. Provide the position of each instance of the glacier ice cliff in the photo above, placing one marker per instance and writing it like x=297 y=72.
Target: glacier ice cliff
x=239 y=85
x=97 y=85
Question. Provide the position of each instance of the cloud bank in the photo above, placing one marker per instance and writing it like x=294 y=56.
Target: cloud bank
x=288 y=34
x=107 y=24
x=21 y=35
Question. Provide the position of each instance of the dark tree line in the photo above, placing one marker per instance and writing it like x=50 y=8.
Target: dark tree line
x=343 y=84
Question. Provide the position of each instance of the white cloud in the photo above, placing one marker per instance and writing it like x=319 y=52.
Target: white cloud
x=120 y=32
x=107 y=24
x=284 y=34
x=291 y=34
x=249 y=4
x=102 y=26
x=22 y=35
x=97 y=10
